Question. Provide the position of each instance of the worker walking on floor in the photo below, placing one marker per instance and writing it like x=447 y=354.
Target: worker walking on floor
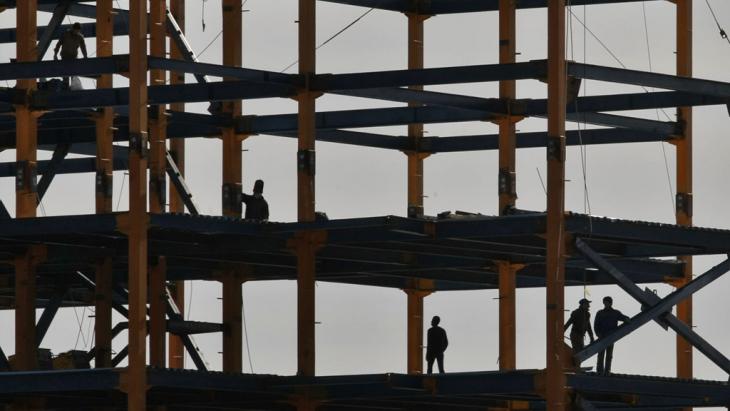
x=436 y=345
x=69 y=44
x=606 y=321
x=580 y=319
x=257 y=209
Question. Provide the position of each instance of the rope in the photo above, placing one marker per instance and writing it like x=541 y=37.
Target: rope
x=722 y=31
x=342 y=30
x=245 y=334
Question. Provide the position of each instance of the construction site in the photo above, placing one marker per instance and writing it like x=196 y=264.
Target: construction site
x=122 y=116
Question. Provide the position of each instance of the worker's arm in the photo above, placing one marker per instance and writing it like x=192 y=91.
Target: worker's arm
x=58 y=47
x=590 y=331
x=265 y=212
x=245 y=198
x=623 y=317
x=83 y=47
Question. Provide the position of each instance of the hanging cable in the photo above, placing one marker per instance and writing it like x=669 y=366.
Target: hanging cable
x=717 y=22
x=342 y=30
x=217 y=35
x=121 y=190
x=245 y=333
x=661 y=144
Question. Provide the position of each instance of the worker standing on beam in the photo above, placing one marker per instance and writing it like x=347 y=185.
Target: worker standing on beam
x=436 y=345
x=607 y=320
x=69 y=44
x=257 y=209
x=580 y=319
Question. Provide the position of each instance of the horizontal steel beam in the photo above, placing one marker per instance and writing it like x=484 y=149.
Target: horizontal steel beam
x=121 y=28
x=435 y=7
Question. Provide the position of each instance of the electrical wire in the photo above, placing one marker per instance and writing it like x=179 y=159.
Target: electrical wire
x=342 y=30
x=219 y=33
x=245 y=333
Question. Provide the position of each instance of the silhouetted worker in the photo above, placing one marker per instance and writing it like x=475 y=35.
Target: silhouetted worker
x=580 y=319
x=70 y=42
x=257 y=208
x=436 y=345
x=606 y=321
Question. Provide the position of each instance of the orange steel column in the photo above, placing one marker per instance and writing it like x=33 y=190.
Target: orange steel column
x=104 y=188
x=507 y=186
x=157 y=186
x=233 y=327
x=684 y=176
x=136 y=378
x=25 y=192
x=305 y=191
x=176 y=354
x=555 y=275
x=415 y=298
x=232 y=168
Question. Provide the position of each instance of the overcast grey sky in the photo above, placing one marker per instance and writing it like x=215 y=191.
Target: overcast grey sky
x=362 y=329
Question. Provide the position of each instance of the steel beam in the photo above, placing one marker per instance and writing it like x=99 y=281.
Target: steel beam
x=507 y=185
x=48 y=32
x=175 y=168
x=435 y=7
x=104 y=188
x=181 y=188
x=555 y=391
x=656 y=310
x=51 y=169
x=137 y=216
x=683 y=201
x=175 y=314
x=50 y=312
x=88 y=30
x=25 y=194
x=647 y=298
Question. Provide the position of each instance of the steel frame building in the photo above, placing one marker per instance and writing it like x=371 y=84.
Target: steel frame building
x=134 y=262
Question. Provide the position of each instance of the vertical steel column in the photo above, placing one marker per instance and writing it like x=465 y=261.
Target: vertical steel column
x=157 y=185
x=305 y=191
x=415 y=330
x=414 y=338
x=104 y=187
x=555 y=259
x=232 y=170
x=136 y=379
x=684 y=176
x=176 y=355
x=25 y=191
x=233 y=325
x=507 y=185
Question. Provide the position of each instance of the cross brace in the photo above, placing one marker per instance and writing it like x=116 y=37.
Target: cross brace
x=658 y=309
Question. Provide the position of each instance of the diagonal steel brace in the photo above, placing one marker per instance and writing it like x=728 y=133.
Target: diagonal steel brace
x=658 y=309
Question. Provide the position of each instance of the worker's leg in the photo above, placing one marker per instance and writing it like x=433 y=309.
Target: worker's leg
x=429 y=362
x=576 y=341
x=609 y=358
x=440 y=360
x=66 y=80
x=599 y=365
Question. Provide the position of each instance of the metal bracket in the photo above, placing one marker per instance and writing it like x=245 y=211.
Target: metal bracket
x=104 y=184
x=415 y=211
x=231 y=197
x=306 y=161
x=556 y=148
x=506 y=183
x=26 y=175
x=158 y=185
x=683 y=203
x=138 y=143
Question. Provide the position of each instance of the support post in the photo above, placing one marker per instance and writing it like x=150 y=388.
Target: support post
x=556 y=394
x=176 y=355
x=507 y=186
x=232 y=322
x=415 y=330
x=232 y=169
x=25 y=192
x=137 y=224
x=684 y=178
x=158 y=185
x=104 y=187
x=305 y=248
x=158 y=309
x=415 y=131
